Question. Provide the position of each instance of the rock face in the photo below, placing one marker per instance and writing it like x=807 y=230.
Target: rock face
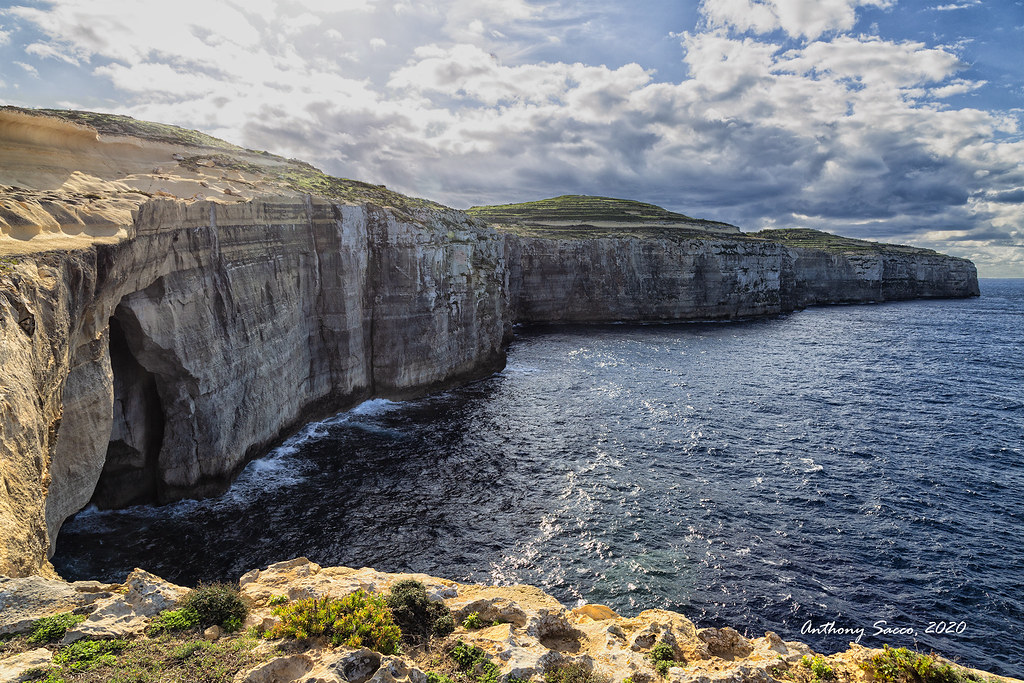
x=153 y=342
x=157 y=366
x=609 y=279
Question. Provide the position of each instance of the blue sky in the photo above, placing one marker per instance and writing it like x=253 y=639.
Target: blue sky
x=897 y=120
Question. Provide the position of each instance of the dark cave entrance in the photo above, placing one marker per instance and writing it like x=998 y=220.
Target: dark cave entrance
x=130 y=472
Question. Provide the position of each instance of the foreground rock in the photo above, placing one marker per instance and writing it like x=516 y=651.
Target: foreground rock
x=525 y=633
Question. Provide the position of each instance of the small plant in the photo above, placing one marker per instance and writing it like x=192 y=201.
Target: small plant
x=474 y=621
x=417 y=615
x=662 y=657
x=819 y=667
x=51 y=629
x=433 y=677
x=7 y=265
x=359 y=619
x=84 y=655
x=174 y=620
x=569 y=673
x=474 y=662
x=217 y=604
x=276 y=600
x=900 y=665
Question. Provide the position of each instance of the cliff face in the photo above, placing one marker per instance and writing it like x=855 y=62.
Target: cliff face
x=712 y=278
x=155 y=368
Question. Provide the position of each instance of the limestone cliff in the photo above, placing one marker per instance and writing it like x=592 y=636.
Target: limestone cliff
x=170 y=304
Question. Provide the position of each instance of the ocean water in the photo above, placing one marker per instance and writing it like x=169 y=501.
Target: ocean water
x=833 y=475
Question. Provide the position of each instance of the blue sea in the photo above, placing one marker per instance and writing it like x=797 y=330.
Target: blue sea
x=835 y=474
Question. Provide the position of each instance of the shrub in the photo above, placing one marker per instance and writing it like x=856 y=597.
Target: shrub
x=276 y=600
x=51 y=629
x=662 y=657
x=819 y=667
x=217 y=604
x=174 y=620
x=474 y=621
x=900 y=665
x=417 y=615
x=569 y=673
x=433 y=677
x=473 y=661
x=357 y=620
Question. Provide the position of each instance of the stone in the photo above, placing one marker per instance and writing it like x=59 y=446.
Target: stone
x=212 y=633
x=149 y=595
x=354 y=666
x=24 y=600
x=13 y=669
x=277 y=670
x=596 y=612
x=114 y=617
x=397 y=670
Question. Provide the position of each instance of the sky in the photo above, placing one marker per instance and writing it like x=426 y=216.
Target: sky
x=891 y=120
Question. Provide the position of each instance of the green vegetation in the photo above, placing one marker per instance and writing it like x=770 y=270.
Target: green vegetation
x=662 y=656
x=174 y=620
x=217 y=604
x=474 y=621
x=7 y=265
x=52 y=629
x=816 y=239
x=579 y=216
x=819 y=667
x=473 y=664
x=418 y=616
x=571 y=673
x=900 y=665
x=167 y=659
x=360 y=619
x=276 y=600
x=578 y=209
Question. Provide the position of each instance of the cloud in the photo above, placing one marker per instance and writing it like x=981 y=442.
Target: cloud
x=807 y=18
x=853 y=134
x=29 y=69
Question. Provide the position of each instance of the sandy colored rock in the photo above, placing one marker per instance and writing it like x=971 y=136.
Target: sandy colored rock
x=596 y=612
x=14 y=669
x=278 y=670
x=24 y=600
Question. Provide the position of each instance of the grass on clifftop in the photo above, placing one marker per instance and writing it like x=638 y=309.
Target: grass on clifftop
x=577 y=215
x=824 y=241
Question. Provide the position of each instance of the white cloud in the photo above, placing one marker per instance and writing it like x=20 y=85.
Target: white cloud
x=807 y=18
x=29 y=69
x=847 y=133
x=5 y=36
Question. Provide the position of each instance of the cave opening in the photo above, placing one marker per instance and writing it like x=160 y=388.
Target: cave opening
x=130 y=471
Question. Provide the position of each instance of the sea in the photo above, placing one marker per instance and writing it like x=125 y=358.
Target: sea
x=838 y=474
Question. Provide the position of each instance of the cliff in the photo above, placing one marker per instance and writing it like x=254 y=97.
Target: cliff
x=171 y=305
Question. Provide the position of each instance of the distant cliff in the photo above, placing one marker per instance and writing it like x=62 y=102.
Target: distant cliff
x=171 y=305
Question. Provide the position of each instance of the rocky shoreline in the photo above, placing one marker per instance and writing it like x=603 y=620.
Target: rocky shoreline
x=519 y=633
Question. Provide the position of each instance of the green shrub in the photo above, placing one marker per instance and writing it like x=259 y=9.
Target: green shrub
x=276 y=600
x=474 y=621
x=51 y=629
x=474 y=662
x=174 y=620
x=357 y=620
x=84 y=655
x=433 y=677
x=662 y=657
x=819 y=667
x=417 y=615
x=900 y=665
x=569 y=673
x=217 y=604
